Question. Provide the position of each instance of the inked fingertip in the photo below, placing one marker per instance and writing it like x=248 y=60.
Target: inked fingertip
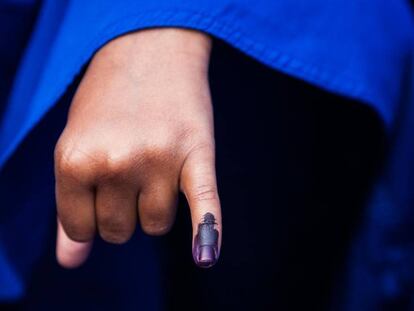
x=205 y=249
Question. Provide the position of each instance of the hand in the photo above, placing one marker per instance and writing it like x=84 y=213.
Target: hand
x=140 y=129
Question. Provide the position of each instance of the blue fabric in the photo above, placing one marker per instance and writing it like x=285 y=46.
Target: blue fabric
x=360 y=49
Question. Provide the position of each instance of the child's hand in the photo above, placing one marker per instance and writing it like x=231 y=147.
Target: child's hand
x=140 y=129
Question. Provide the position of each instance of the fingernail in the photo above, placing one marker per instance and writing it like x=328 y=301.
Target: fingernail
x=205 y=251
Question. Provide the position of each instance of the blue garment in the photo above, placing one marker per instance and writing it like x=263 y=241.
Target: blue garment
x=360 y=49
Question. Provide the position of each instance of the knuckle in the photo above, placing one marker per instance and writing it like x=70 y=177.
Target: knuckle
x=114 y=231
x=156 y=228
x=91 y=163
x=204 y=193
x=72 y=162
x=158 y=155
x=79 y=233
x=157 y=150
x=115 y=165
x=115 y=237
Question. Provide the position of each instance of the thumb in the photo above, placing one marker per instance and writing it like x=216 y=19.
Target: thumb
x=198 y=183
x=69 y=253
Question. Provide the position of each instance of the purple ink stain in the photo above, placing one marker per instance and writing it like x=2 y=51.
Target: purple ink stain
x=205 y=251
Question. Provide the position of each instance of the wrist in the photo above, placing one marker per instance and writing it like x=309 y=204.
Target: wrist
x=158 y=50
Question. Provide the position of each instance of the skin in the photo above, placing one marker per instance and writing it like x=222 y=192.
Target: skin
x=139 y=130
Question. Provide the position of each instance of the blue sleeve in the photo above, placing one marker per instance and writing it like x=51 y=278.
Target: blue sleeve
x=358 y=50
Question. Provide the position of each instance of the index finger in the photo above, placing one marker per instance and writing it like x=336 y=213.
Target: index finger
x=198 y=183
